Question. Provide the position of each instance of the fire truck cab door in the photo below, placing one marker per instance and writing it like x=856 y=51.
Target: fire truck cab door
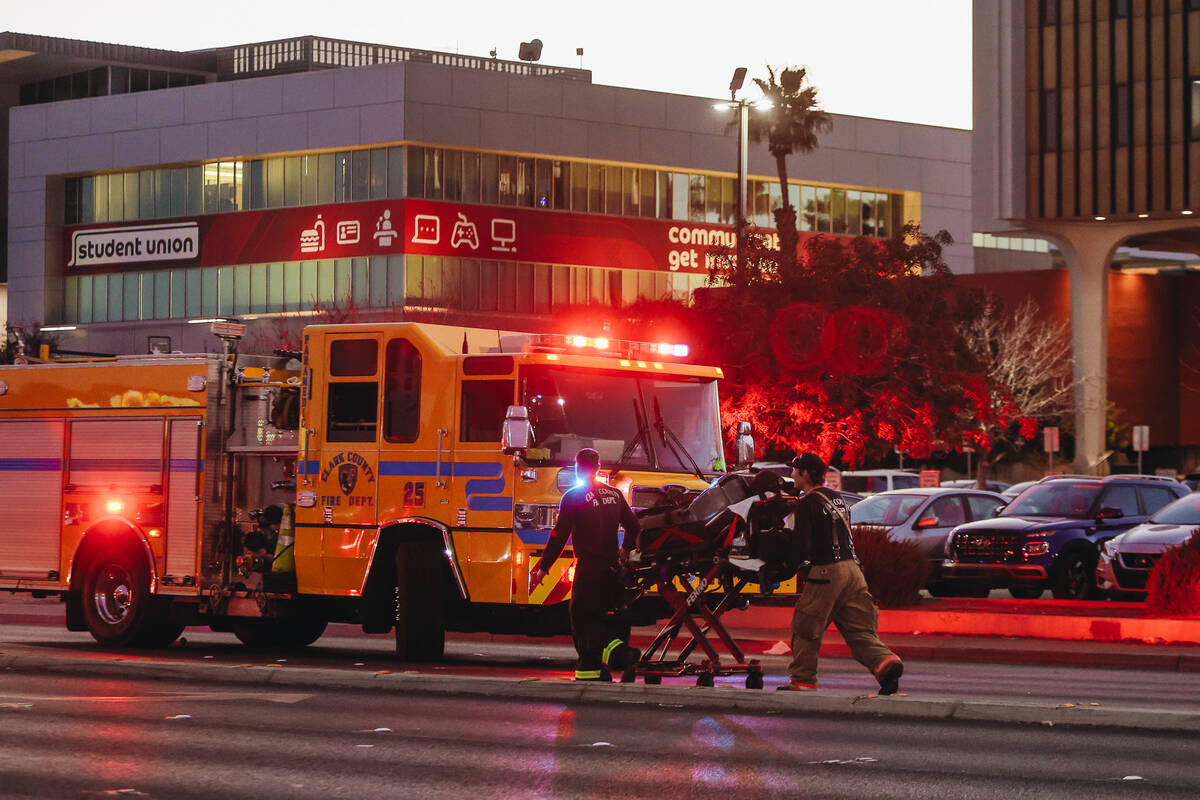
x=344 y=418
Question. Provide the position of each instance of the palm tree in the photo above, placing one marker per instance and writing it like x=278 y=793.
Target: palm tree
x=790 y=126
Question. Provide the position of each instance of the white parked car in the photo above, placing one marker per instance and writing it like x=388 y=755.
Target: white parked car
x=874 y=481
x=1126 y=560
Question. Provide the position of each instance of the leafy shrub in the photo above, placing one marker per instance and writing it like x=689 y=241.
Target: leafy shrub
x=1173 y=586
x=895 y=571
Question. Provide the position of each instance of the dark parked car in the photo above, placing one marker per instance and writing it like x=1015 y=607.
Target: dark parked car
x=925 y=517
x=1050 y=536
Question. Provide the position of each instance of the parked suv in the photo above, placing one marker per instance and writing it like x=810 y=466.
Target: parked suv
x=1049 y=537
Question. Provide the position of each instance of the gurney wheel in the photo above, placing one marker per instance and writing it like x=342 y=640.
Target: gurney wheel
x=704 y=679
x=629 y=675
x=754 y=680
x=654 y=680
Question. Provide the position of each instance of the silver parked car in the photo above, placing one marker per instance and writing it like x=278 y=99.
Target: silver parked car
x=925 y=517
x=1126 y=560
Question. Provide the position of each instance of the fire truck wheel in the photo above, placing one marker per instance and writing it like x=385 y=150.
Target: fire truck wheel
x=297 y=632
x=160 y=632
x=116 y=598
x=420 y=616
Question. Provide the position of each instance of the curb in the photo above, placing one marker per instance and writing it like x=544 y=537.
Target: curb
x=725 y=700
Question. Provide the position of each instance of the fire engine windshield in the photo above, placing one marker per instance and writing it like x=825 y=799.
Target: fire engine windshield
x=616 y=413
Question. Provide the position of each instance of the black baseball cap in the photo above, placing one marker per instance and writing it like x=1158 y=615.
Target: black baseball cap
x=589 y=458
x=810 y=463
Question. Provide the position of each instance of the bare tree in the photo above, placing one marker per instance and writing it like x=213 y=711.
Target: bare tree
x=1027 y=362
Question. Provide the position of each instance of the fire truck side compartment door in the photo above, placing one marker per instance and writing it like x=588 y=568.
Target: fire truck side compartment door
x=183 y=508
x=31 y=452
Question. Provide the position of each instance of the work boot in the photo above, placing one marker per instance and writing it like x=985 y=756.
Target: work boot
x=619 y=655
x=593 y=675
x=889 y=678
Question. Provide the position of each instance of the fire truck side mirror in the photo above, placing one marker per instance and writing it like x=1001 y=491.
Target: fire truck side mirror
x=744 y=446
x=516 y=436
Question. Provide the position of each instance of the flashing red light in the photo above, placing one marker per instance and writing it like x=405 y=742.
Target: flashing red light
x=115 y=506
x=571 y=574
x=624 y=347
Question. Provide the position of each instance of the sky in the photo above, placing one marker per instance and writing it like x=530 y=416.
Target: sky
x=908 y=61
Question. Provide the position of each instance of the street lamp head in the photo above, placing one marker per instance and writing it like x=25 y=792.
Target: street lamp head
x=724 y=105
x=739 y=77
x=764 y=105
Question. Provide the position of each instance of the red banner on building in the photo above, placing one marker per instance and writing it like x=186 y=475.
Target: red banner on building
x=390 y=227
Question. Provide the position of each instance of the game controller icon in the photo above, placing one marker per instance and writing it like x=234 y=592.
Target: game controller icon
x=464 y=233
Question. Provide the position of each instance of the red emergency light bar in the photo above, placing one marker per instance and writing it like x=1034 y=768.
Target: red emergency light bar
x=557 y=343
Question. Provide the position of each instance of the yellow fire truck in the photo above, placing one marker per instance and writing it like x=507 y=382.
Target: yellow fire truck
x=424 y=464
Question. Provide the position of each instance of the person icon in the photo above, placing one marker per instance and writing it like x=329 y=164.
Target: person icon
x=383 y=229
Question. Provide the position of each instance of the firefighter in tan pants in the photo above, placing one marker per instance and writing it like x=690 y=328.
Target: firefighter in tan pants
x=834 y=588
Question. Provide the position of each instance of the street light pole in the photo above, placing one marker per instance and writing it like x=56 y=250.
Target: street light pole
x=743 y=112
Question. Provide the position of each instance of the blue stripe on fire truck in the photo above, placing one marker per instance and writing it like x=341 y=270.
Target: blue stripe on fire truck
x=131 y=464
x=30 y=464
x=489 y=479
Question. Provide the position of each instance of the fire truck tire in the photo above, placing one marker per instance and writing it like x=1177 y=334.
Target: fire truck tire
x=116 y=598
x=286 y=633
x=420 y=615
x=159 y=630
x=300 y=632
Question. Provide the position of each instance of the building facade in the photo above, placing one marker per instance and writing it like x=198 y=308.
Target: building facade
x=146 y=188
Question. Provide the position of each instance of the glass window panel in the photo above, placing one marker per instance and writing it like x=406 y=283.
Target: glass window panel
x=211 y=176
x=161 y=193
x=579 y=186
x=292 y=290
x=146 y=194
x=360 y=283
x=681 y=192
x=469 y=284
x=116 y=296
x=579 y=286
x=543 y=190
x=596 y=194
x=415 y=172
x=178 y=293
x=759 y=202
x=116 y=198
x=291 y=181
x=241 y=288
x=256 y=185
x=432 y=284
x=341 y=282
x=276 y=282
x=352 y=412
x=524 y=295
x=506 y=286
x=868 y=213
x=325 y=181
x=274 y=183
x=195 y=190
x=774 y=200
x=507 y=183
x=434 y=178
x=402 y=392
x=541 y=288
x=712 y=199
x=853 y=213
x=178 y=192
x=210 y=285
x=612 y=188
x=308 y=284
x=145 y=301
x=86 y=297
x=631 y=195
x=100 y=207
x=696 y=210
x=452 y=175
x=71 y=300
x=395 y=179
x=451 y=283
x=326 y=283
x=646 y=187
x=560 y=186
x=597 y=286
x=470 y=177
x=360 y=175
x=489 y=178
x=561 y=288
x=665 y=196
x=396 y=267
x=524 y=196
x=728 y=200
x=823 y=218
x=258 y=288
x=234 y=195
x=838 y=211
x=71 y=201
x=378 y=279
x=341 y=177
x=308 y=180
x=488 y=285
x=883 y=215
x=414 y=267
x=87 y=199
x=379 y=161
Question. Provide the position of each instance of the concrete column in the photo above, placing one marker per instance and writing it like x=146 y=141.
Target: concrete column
x=1088 y=251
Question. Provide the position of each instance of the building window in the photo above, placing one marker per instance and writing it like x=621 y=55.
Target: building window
x=1049 y=120
x=1122 y=117
x=483 y=406
x=1120 y=9
x=1048 y=12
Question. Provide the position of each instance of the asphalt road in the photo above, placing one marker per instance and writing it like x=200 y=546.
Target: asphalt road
x=344 y=647
x=88 y=738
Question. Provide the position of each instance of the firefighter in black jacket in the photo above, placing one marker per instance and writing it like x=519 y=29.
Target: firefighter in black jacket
x=834 y=587
x=590 y=513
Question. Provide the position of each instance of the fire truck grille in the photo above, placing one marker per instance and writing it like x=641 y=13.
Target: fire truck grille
x=986 y=546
